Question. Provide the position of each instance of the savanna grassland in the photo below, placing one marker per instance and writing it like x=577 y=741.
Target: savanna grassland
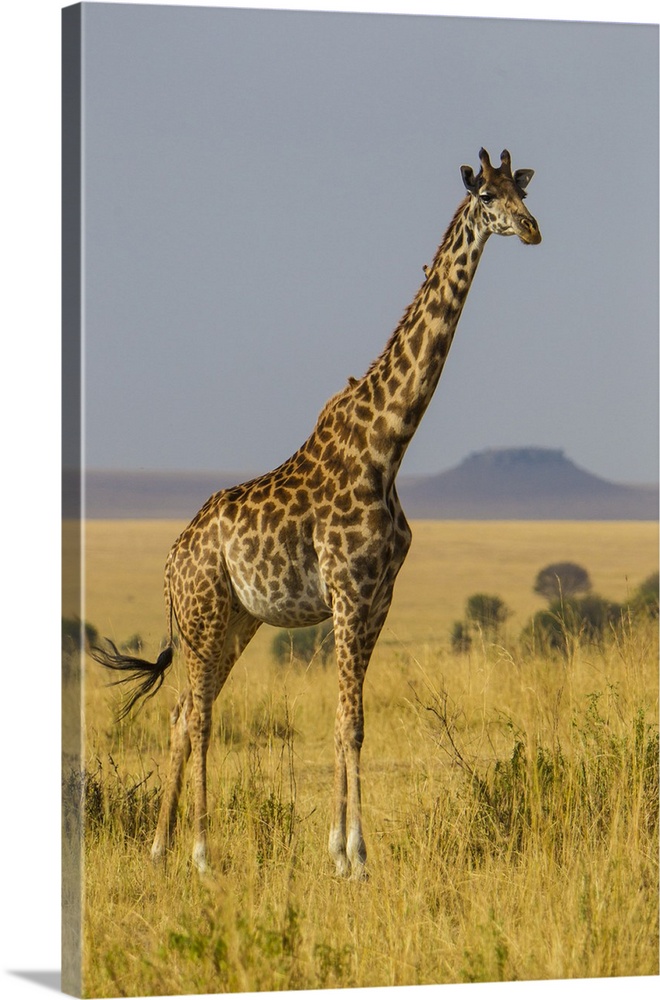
x=510 y=791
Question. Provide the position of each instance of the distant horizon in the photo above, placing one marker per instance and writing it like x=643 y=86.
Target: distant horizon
x=227 y=471
x=523 y=483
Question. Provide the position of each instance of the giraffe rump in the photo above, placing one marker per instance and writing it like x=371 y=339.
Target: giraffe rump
x=152 y=675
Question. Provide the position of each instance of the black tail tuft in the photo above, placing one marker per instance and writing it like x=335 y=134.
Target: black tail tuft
x=152 y=675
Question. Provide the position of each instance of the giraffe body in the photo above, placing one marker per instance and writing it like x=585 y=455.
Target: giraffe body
x=323 y=535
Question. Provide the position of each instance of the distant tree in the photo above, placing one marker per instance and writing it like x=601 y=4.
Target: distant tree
x=305 y=644
x=75 y=635
x=461 y=640
x=72 y=634
x=487 y=611
x=562 y=580
x=134 y=644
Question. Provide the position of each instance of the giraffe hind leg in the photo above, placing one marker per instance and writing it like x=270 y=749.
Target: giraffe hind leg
x=202 y=605
x=206 y=687
x=208 y=669
x=179 y=753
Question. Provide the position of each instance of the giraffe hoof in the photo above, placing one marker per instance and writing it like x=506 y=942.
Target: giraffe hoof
x=157 y=855
x=359 y=873
x=342 y=868
x=200 y=859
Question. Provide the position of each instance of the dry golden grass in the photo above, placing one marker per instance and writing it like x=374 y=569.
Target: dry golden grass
x=448 y=561
x=510 y=801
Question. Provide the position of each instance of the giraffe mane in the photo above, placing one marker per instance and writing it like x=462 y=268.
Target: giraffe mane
x=403 y=322
x=332 y=402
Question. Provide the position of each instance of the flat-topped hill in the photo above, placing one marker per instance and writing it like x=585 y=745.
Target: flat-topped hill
x=501 y=483
x=525 y=484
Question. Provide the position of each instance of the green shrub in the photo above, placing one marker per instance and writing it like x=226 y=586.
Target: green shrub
x=487 y=611
x=550 y=794
x=645 y=598
x=125 y=805
x=587 y=619
x=304 y=644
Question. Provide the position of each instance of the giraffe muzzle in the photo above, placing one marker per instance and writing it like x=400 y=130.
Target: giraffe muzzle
x=529 y=231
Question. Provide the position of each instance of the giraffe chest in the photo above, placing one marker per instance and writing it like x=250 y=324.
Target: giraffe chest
x=288 y=554
x=277 y=578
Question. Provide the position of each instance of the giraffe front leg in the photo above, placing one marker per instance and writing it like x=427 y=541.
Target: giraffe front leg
x=337 y=839
x=353 y=734
x=200 y=734
x=356 y=630
x=346 y=842
x=353 y=646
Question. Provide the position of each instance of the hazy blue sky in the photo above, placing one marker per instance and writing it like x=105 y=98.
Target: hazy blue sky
x=263 y=188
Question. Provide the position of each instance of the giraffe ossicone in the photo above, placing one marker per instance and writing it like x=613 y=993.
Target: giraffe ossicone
x=323 y=535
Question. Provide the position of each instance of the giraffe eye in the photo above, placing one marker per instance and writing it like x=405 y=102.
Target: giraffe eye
x=486 y=197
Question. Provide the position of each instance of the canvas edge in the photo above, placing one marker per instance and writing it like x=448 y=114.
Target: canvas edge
x=72 y=471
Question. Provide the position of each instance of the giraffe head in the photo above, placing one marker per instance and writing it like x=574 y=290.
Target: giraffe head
x=498 y=196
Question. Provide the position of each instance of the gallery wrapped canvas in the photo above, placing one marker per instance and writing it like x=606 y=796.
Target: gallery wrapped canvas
x=275 y=225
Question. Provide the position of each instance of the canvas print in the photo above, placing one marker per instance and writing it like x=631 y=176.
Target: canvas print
x=360 y=592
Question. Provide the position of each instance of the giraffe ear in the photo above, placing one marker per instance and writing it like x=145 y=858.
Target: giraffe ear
x=523 y=177
x=467 y=173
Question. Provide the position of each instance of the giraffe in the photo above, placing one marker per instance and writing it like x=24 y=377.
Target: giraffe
x=323 y=535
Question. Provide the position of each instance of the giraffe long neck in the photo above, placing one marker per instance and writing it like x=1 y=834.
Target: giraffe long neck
x=401 y=381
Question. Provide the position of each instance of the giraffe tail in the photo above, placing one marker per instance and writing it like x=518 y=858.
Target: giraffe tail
x=151 y=675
